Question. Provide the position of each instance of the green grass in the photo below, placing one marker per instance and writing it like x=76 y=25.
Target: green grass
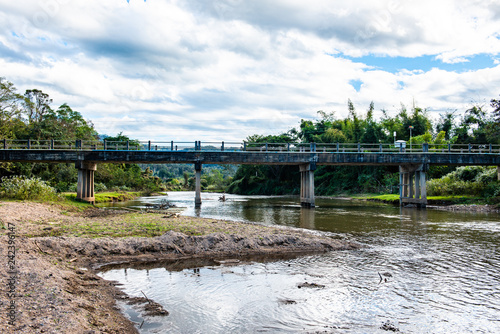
x=106 y=197
x=132 y=225
x=394 y=199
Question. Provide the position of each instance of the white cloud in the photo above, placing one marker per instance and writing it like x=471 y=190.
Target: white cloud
x=229 y=69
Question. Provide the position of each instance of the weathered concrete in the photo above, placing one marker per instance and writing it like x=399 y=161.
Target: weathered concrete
x=412 y=187
x=85 y=184
x=197 y=197
x=412 y=181
x=307 y=185
x=252 y=158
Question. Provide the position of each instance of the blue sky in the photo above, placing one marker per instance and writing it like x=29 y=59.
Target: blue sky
x=224 y=70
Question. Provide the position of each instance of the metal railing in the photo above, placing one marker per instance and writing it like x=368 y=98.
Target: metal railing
x=198 y=146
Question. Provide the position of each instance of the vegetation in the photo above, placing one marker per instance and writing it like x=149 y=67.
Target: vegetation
x=31 y=116
x=214 y=178
x=467 y=180
x=105 y=197
x=21 y=188
x=476 y=126
x=452 y=199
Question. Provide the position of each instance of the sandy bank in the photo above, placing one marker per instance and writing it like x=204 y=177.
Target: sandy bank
x=57 y=251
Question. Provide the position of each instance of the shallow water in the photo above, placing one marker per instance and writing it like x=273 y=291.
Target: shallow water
x=422 y=271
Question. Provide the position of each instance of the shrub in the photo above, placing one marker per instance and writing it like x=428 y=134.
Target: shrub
x=100 y=187
x=488 y=176
x=467 y=173
x=469 y=180
x=21 y=188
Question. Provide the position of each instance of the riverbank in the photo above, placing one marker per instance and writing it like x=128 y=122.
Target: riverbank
x=59 y=249
x=447 y=203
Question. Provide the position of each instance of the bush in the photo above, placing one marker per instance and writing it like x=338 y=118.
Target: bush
x=100 y=187
x=21 y=188
x=488 y=176
x=467 y=173
x=469 y=180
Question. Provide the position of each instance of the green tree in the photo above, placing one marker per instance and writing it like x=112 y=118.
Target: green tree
x=446 y=124
x=10 y=113
x=496 y=119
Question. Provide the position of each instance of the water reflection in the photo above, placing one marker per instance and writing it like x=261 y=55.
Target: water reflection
x=307 y=218
x=442 y=273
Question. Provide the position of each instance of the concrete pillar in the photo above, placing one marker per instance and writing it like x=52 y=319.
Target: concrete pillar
x=406 y=181
x=412 y=185
x=197 y=196
x=417 y=184
x=498 y=173
x=423 y=189
x=411 y=178
x=85 y=185
x=401 y=181
x=307 y=185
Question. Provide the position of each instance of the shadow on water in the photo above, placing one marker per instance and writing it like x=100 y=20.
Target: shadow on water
x=423 y=271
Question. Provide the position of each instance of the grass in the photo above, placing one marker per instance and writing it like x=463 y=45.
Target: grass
x=137 y=224
x=106 y=197
x=394 y=199
x=134 y=225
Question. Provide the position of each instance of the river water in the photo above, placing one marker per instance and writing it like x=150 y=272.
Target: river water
x=421 y=271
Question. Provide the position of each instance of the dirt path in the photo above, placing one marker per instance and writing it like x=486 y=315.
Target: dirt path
x=56 y=289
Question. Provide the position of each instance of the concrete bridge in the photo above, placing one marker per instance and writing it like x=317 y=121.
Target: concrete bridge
x=413 y=161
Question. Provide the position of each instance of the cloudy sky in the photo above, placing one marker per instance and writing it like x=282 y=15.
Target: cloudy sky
x=223 y=70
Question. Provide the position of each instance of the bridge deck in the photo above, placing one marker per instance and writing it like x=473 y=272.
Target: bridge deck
x=253 y=158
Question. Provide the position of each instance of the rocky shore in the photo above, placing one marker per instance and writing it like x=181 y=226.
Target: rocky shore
x=58 y=253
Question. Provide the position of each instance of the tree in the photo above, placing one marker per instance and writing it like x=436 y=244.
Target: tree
x=121 y=138
x=9 y=109
x=446 y=124
x=475 y=126
x=36 y=105
x=496 y=112
x=496 y=118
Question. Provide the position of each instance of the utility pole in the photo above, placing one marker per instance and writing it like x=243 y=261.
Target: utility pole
x=411 y=128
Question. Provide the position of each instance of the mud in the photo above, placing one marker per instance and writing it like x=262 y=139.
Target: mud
x=57 y=289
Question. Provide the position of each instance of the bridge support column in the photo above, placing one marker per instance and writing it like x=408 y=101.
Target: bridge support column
x=85 y=185
x=412 y=188
x=307 y=185
x=197 y=196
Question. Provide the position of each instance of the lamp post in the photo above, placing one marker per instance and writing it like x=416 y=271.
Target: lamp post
x=411 y=128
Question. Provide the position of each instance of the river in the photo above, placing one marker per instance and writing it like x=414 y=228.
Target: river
x=421 y=271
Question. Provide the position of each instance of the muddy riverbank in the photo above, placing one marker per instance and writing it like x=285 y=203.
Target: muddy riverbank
x=57 y=253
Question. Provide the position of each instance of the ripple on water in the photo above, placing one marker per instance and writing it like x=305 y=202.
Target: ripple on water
x=444 y=272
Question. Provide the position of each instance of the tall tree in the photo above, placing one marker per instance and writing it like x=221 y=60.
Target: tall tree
x=446 y=124
x=36 y=105
x=9 y=109
x=496 y=118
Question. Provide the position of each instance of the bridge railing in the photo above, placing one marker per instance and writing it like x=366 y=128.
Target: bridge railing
x=30 y=144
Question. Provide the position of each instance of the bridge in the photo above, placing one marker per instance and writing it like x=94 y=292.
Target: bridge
x=413 y=161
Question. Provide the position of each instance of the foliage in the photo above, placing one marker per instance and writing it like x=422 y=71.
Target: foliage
x=31 y=116
x=466 y=180
x=22 y=188
x=475 y=127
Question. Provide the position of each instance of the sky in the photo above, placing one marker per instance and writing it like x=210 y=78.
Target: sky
x=223 y=70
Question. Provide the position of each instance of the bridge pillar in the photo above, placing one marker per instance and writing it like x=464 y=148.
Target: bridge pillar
x=85 y=185
x=412 y=188
x=197 y=196
x=307 y=185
